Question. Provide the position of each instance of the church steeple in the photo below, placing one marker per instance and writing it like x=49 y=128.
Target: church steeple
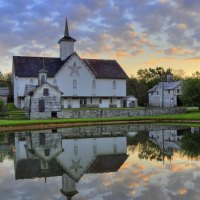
x=66 y=43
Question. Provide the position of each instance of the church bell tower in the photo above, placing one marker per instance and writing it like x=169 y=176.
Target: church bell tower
x=66 y=44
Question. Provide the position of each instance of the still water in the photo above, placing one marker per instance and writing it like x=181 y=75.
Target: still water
x=140 y=162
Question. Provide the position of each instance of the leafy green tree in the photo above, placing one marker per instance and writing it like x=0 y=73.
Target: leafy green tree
x=190 y=144
x=136 y=87
x=191 y=92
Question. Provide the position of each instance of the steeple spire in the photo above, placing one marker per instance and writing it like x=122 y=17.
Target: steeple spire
x=66 y=36
x=66 y=33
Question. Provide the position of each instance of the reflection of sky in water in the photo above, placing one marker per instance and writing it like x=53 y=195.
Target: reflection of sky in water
x=138 y=179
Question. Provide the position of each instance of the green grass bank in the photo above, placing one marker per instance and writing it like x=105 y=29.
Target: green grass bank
x=191 y=117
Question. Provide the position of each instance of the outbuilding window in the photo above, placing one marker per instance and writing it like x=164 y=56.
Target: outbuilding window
x=41 y=105
x=46 y=92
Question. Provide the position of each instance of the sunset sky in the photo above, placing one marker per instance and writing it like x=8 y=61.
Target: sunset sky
x=137 y=33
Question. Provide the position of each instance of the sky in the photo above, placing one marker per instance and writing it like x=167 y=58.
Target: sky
x=137 y=33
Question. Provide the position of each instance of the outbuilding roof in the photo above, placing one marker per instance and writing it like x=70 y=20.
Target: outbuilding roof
x=4 y=91
x=167 y=86
x=30 y=66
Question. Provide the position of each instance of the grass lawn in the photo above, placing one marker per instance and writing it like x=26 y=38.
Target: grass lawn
x=192 y=116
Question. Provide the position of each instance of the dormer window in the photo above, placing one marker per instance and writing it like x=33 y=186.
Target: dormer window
x=46 y=92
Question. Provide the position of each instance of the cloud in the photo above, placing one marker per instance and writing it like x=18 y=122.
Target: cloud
x=104 y=29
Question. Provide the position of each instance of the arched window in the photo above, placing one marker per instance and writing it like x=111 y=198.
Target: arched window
x=93 y=84
x=94 y=147
x=74 y=87
x=114 y=88
x=93 y=87
x=31 y=82
x=54 y=83
x=74 y=84
x=75 y=147
x=42 y=79
x=114 y=84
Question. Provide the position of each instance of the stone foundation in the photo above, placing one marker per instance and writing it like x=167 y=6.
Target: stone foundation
x=107 y=113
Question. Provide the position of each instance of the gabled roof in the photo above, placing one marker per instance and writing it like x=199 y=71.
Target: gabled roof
x=167 y=86
x=25 y=66
x=31 y=168
x=28 y=89
x=107 y=163
x=4 y=91
x=30 y=66
x=106 y=68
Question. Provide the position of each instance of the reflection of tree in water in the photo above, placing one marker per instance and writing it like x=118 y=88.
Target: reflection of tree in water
x=145 y=148
x=190 y=145
x=6 y=146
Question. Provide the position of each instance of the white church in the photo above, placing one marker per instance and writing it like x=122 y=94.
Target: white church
x=47 y=83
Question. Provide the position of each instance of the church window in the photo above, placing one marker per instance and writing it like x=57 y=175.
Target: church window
x=93 y=87
x=46 y=92
x=94 y=147
x=43 y=79
x=74 y=84
x=74 y=87
x=41 y=105
x=114 y=145
x=114 y=84
x=114 y=88
x=31 y=82
x=93 y=84
x=75 y=147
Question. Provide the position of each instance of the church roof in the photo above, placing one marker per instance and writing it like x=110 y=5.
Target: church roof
x=28 y=89
x=25 y=66
x=106 y=68
x=107 y=163
x=30 y=66
x=31 y=168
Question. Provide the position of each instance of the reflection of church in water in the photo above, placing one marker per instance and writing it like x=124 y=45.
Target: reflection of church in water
x=48 y=154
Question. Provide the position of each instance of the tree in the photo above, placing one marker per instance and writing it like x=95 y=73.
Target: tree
x=146 y=79
x=138 y=89
x=191 y=92
x=196 y=74
x=190 y=144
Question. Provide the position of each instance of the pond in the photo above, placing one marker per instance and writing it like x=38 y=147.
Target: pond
x=116 y=162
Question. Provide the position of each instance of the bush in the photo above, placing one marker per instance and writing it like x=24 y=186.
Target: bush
x=1 y=104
